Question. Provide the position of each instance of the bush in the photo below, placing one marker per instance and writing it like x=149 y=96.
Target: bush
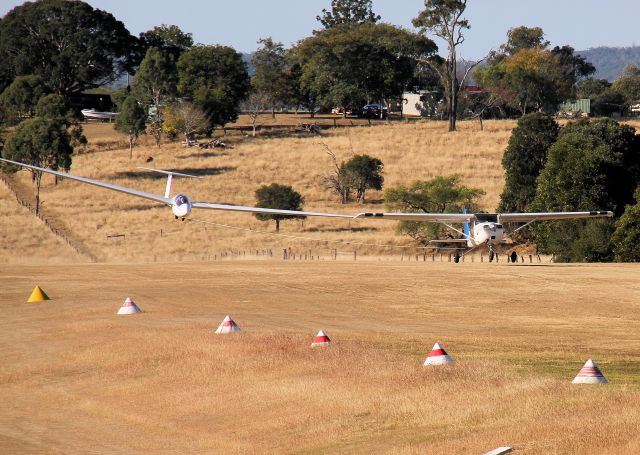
x=363 y=172
x=281 y=197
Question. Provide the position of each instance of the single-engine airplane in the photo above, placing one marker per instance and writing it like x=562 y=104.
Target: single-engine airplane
x=479 y=228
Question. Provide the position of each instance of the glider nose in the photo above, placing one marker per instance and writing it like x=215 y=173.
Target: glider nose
x=181 y=206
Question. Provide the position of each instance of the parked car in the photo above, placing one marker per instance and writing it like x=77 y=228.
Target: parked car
x=373 y=111
x=341 y=110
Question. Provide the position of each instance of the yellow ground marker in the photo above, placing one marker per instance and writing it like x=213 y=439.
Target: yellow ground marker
x=38 y=295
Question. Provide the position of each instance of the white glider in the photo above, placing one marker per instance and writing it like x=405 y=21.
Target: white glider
x=180 y=204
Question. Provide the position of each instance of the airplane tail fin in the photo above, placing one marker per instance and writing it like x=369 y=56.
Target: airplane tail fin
x=170 y=175
x=466 y=225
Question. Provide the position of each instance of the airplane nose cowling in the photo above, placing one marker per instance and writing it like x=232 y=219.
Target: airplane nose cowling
x=181 y=206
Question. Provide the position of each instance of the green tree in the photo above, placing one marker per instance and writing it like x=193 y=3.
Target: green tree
x=363 y=172
x=55 y=107
x=520 y=38
x=590 y=87
x=348 y=12
x=295 y=93
x=19 y=99
x=438 y=195
x=214 y=78
x=167 y=38
x=155 y=86
x=70 y=45
x=592 y=166
x=269 y=79
x=524 y=159
x=444 y=19
x=280 y=197
x=628 y=85
x=131 y=121
x=41 y=142
x=626 y=237
x=528 y=76
x=346 y=65
x=605 y=100
x=525 y=79
x=571 y=68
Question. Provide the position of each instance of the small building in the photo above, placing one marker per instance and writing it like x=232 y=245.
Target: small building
x=577 y=108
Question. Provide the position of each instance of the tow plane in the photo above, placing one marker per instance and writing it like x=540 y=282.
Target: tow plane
x=479 y=228
x=484 y=228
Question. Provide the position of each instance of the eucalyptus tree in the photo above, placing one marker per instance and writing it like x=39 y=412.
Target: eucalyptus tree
x=69 y=44
x=444 y=19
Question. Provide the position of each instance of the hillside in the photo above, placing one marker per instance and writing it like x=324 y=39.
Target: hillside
x=117 y=227
x=610 y=61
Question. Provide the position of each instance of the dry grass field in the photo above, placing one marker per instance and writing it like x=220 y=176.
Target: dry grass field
x=409 y=151
x=75 y=378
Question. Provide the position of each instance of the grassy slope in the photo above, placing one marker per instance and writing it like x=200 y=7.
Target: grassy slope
x=409 y=151
x=25 y=238
x=76 y=378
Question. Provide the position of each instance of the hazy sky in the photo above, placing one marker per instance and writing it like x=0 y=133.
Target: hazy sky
x=240 y=23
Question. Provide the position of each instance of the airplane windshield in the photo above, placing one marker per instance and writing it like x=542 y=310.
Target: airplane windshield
x=181 y=199
x=486 y=217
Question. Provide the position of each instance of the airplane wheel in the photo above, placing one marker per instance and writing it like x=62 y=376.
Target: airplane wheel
x=491 y=255
x=456 y=258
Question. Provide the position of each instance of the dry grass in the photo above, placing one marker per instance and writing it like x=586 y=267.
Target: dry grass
x=24 y=237
x=410 y=151
x=76 y=378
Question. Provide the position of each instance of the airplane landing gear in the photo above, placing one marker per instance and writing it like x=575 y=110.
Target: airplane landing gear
x=491 y=253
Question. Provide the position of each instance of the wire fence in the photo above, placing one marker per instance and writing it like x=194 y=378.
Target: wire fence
x=76 y=246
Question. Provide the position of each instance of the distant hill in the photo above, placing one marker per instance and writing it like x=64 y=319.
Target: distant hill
x=610 y=61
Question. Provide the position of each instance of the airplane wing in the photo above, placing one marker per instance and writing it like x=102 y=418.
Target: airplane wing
x=240 y=208
x=428 y=217
x=110 y=186
x=169 y=201
x=523 y=217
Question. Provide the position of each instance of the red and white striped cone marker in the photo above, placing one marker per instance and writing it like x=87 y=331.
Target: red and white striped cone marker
x=129 y=307
x=438 y=356
x=590 y=374
x=321 y=340
x=228 y=325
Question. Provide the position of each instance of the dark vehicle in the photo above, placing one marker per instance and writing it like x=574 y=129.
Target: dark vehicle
x=373 y=111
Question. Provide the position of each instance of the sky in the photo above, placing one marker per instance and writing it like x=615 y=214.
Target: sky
x=241 y=23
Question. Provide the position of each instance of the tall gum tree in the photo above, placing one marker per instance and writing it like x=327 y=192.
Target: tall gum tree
x=444 y=19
